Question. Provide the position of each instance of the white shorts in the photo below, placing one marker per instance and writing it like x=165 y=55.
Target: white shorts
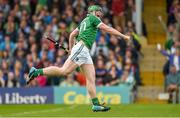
x=80 y=54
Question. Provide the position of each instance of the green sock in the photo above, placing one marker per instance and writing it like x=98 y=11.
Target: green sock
x=95 y=101
x=38 y=72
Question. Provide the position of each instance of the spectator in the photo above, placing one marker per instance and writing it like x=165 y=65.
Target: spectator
x=113 y=76
x=172 y=82
x=69 y=82
x=33 y=51
x=172 y=32
x=130 y=27
x=118 y=12
x=127 y=77
x=54 y=25
x=129 y=10
x=31 y=40
x=45 y=49
x=2 y=20
x=62 y=55
x=17 y=11
x=4 y=6
x=5 y=69
x=113 y=44
x=101 y=45
x=7 y=45
x=25 y=4
x=175 y=45
x=105 y=7
x=20 y=51
x=80 y=78
x=6 y=56
x=2 y=82
x=128 y=58
x=10 y=28
x=41 y=4
x=18 y=73
x=12 y=81
x=130 y=63
x=44 y=62
x=24 y=28
x=79 y=5
x=41 y=81
x=100 y=72
x=29 y=62
x=173 y=12
x=174 y=59
x=134 y=44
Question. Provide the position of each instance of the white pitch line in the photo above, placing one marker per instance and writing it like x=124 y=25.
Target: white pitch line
x=41 y=111
x=73 y=106
x=33 y=112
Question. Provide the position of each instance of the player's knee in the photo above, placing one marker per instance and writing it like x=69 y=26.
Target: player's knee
x=66 y=72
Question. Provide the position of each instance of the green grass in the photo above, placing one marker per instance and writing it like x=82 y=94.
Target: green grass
x=133 y=110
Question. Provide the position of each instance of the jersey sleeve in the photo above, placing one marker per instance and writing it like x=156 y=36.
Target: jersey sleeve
x=95 y=21
x=78 y=27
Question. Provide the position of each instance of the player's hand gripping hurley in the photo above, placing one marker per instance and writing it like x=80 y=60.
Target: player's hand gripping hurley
x=56 y=44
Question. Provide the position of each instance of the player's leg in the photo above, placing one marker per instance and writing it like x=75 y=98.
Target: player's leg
x=67 y=68
x=89 y=72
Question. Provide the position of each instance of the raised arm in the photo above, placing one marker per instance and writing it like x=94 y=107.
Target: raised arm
x=163 y=52
x=73 y=34
x=162 y=23
x=112 y=31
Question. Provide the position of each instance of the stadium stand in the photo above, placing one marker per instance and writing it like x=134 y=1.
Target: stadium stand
x=23 y=22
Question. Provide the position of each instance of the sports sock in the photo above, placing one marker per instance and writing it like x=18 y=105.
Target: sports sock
x=95 y=101
x=38 y=72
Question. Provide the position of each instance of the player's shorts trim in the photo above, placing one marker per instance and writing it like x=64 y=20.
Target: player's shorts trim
x=76 y=53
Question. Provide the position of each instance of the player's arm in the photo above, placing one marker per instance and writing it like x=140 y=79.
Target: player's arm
x=163 y=52
x=112 y=31
x=73 y=34
x=162 y=23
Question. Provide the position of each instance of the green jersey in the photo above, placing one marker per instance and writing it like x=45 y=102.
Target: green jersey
x=88 y=29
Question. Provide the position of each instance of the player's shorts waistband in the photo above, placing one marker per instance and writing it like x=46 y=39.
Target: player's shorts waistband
x=81 y=42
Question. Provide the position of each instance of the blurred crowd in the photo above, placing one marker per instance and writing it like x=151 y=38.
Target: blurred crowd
x=23 y=23
x=171 y=69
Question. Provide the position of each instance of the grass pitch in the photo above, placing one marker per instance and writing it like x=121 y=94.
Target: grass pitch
x=132 y=110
